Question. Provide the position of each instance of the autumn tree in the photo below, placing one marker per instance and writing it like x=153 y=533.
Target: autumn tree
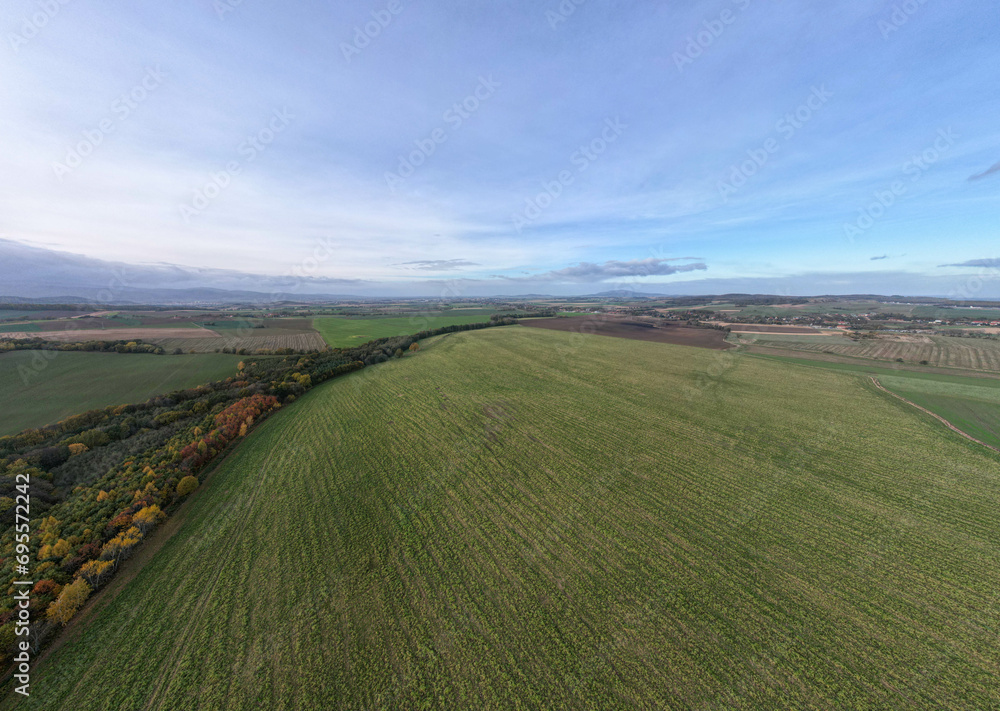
x=77 y=448
x=186 y=485
x=147 y=518
x=59 y=549
x=414 y=347
x=95 y=571
x=46 y=587
x=119 y=547
x=69 y=601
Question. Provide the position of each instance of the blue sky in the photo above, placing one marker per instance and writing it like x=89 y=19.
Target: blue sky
x=472 y=148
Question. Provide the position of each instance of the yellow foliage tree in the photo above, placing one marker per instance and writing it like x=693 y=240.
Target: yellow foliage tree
x=102 y=495
x=147 y=518
x=49 y=529
x=121 y=545
x=77 y=448
x=94 y=571
x=69 y=601
x=186 y=485
x=59 y=549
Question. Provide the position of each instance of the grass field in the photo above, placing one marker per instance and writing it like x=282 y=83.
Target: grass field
x=973 y=408
x=977 y=313
x=520 y=518
x=345 y=332
x=41 y=387
x=778 y=339
x=970 y=403
x=19 y=326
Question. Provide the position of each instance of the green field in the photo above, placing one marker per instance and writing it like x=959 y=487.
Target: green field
x=973 y=408
x=346 y=332
x=977 y=313
x=517 y=518
x=41 y=387
x=970 y=403
x=779 y=339
x=20 y=327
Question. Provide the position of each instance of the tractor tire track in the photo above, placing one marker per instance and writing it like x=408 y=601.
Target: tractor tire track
x=196 y=615
x=932 y=414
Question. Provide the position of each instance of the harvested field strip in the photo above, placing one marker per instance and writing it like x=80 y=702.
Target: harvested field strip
x=601 y=325
x=518 y=518
x=950 y=352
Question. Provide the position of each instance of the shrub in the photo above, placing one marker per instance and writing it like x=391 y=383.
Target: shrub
x=186 y=485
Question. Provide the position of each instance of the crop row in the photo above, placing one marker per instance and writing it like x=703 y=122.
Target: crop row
x=951 y=352
x=521 y=519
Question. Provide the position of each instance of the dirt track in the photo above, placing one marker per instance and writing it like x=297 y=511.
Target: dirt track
x=639 y=331
x=932 y=414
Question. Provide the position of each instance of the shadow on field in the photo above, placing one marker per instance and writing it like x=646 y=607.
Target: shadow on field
x=636 y=330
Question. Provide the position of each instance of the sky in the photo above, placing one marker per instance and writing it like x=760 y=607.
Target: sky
x=471 y=148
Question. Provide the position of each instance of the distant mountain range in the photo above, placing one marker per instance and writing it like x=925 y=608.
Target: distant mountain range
x=625 y=294
x=39 y=275
x=180 y=297
x=30 y=274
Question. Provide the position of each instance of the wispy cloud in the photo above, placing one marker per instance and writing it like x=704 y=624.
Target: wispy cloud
x=321 y=189
x=975 y=263
x=437 y=265
x=881 y=256
x=995 y=168
x=588 y=272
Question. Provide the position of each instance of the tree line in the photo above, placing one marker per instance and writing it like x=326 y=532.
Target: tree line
x=100 y=481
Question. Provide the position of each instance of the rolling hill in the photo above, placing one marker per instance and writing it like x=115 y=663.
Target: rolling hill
x=520 y=518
